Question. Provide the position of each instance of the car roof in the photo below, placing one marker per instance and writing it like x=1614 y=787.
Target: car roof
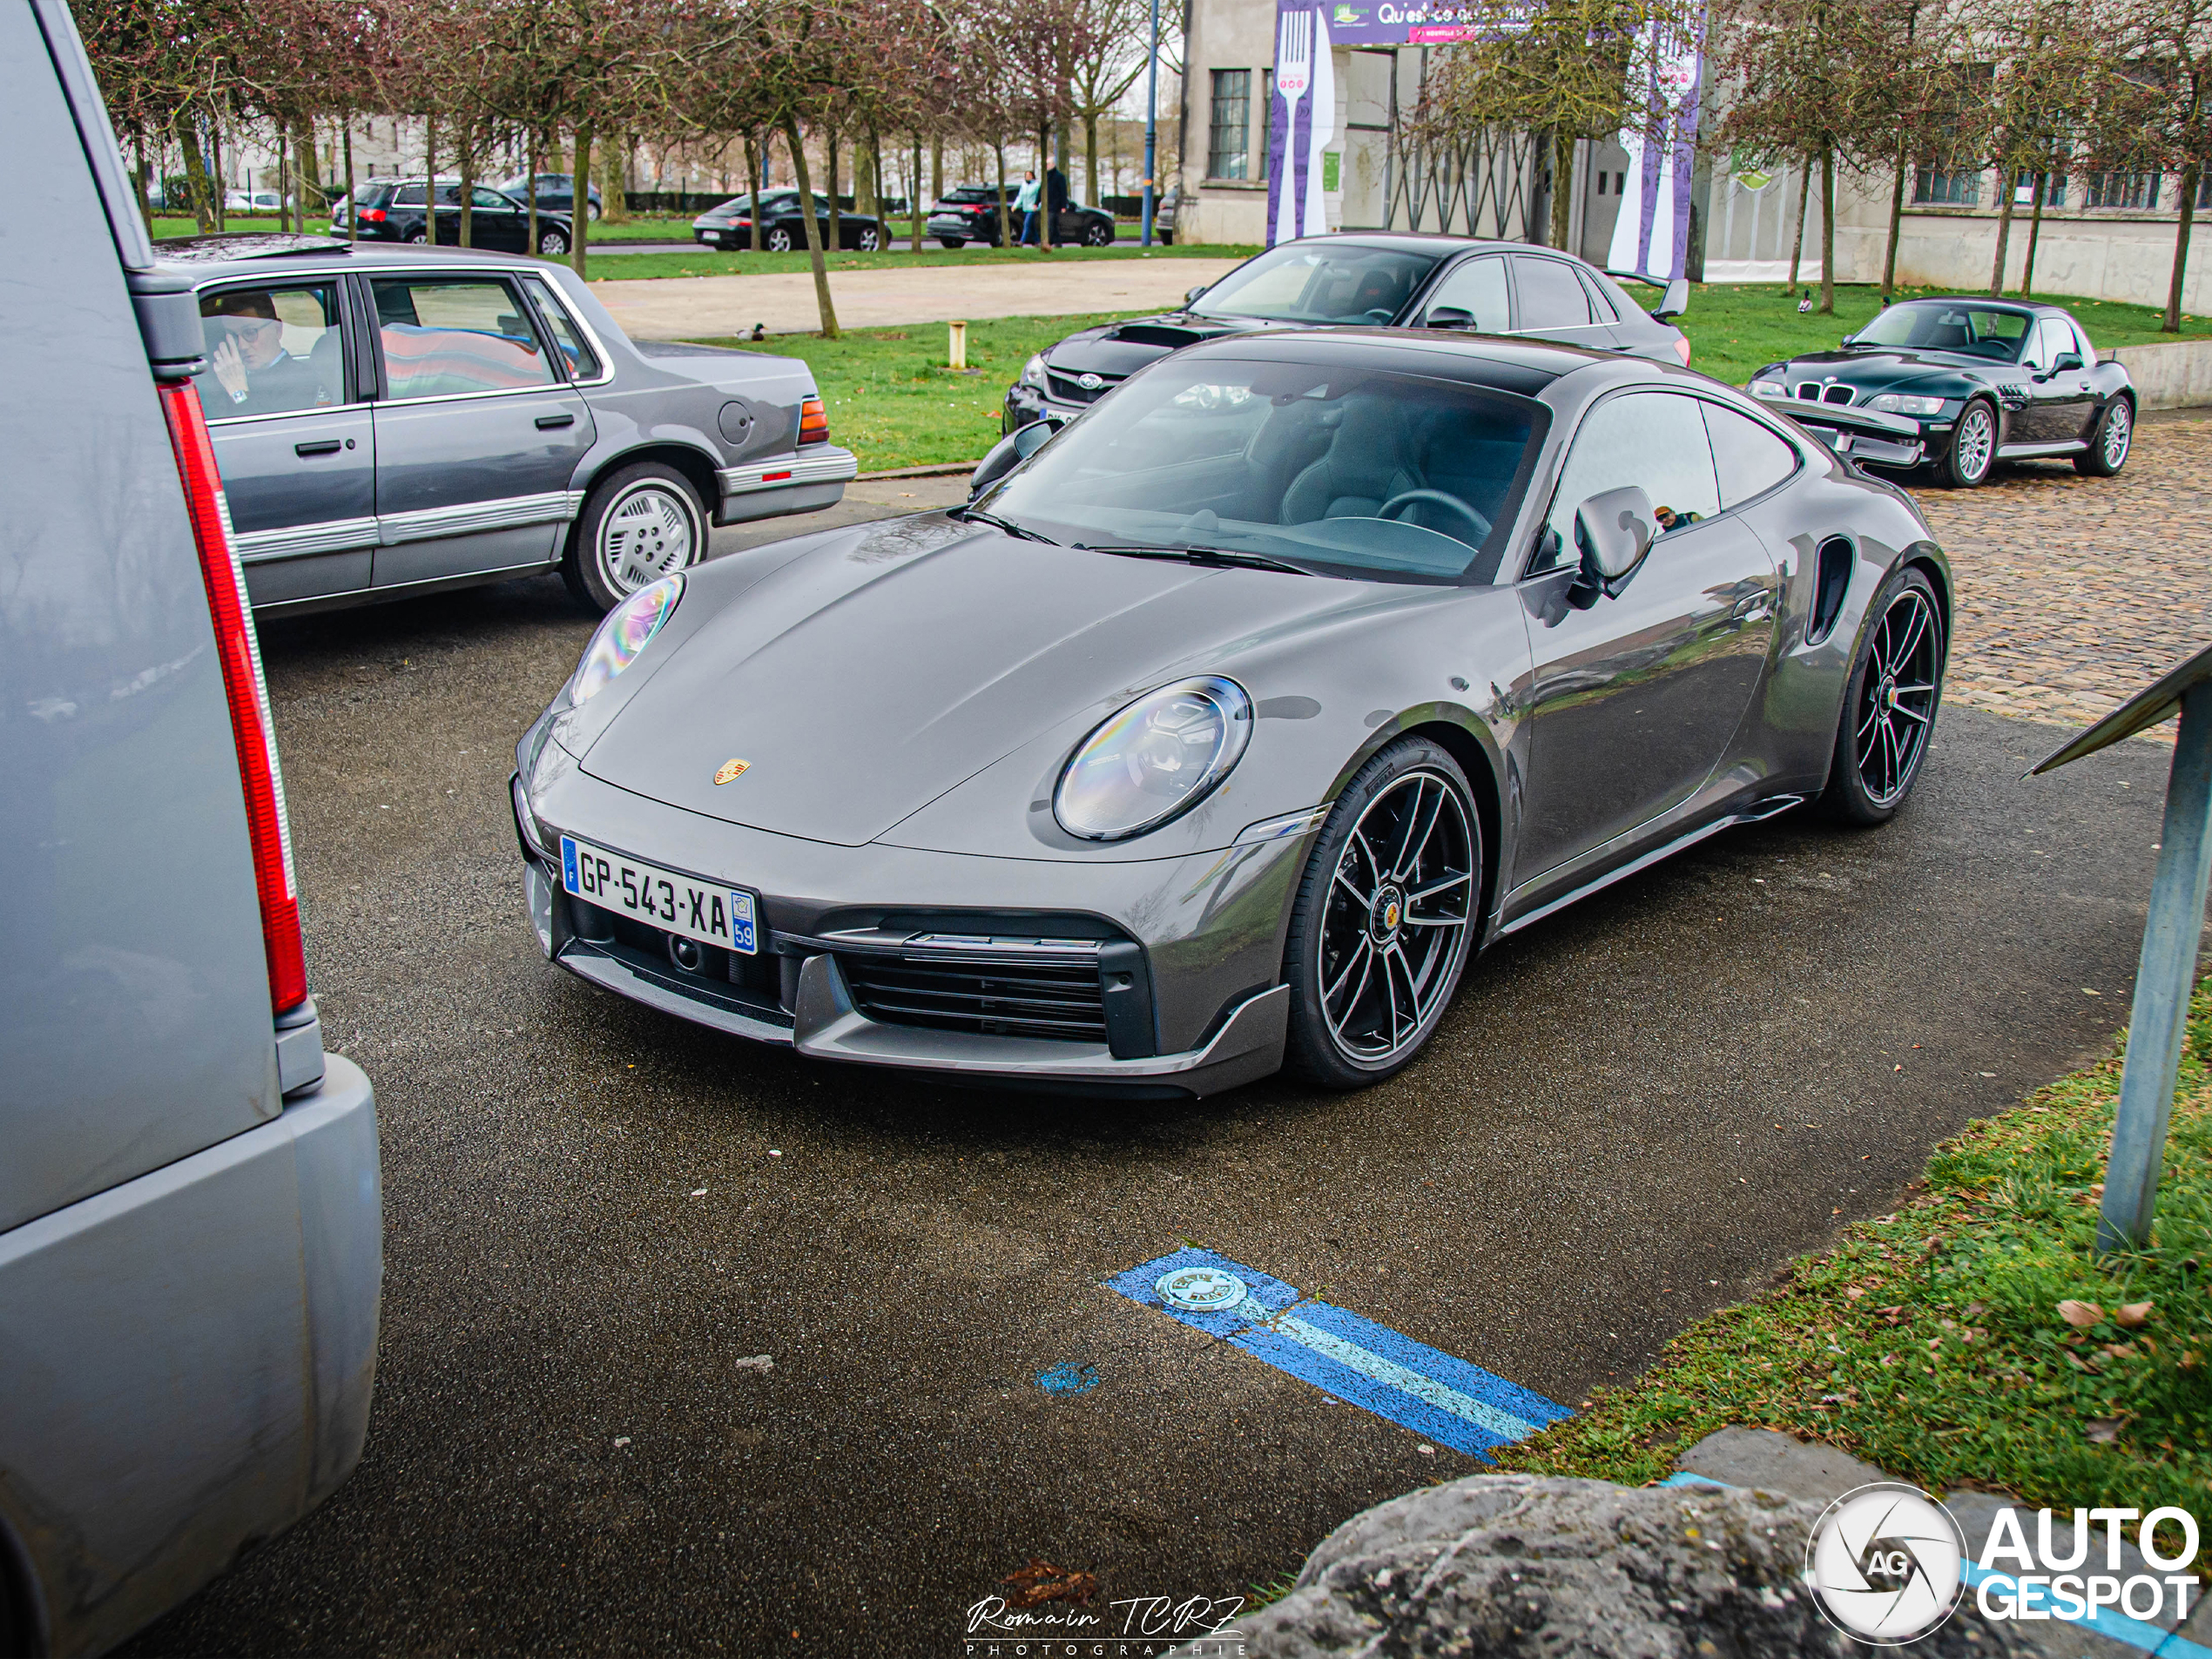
x=1430 y=242
x=2037 y=306
x=275 y=255
x=1517 y=365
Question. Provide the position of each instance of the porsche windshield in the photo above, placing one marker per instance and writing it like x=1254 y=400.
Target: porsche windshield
x=1993 y=332
x=1331 y=282
x=1329 y=469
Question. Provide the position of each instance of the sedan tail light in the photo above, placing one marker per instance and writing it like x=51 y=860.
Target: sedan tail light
x=1681 y=348
x=813 y=422
x=239 y=651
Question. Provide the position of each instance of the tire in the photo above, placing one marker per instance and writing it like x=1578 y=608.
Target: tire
x=2109 y=443
x=1097 y=235
x=417 y=239
x=1890 y=702
x=1974 y=448
x=592 y=212
x=552 y=243
x=869 y=241
x=640 y=523
x=1347 y=1030
x=951 y=241
x=778 y=240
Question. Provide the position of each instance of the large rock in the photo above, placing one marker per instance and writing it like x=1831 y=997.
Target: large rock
x=1504 y=1566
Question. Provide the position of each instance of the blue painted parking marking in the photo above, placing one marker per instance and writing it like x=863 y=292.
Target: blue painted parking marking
x=1436 y=1395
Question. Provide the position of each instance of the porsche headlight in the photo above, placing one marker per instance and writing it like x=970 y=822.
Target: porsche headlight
x=1900 y=403
x=1155 y=760
x=1769 y=389
x=1033 y=371
x=628 y=628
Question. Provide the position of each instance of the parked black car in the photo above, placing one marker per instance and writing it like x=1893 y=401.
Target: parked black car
x=971 y=214
x=1962 y=382
x=555 y=190
x=395 y=210
x=1385 y=280
x=730 y=227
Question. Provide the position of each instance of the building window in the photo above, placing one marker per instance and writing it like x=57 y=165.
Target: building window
x=2137 y=190
x=2205 y=190
x=1266 y=119
x=1226 y=156
x=1946 y=188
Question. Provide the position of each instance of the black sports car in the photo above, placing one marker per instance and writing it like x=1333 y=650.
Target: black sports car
x=971 y=214
x=1962 y=383
x=392 y=210
x=730 y=227
x=1393 y=278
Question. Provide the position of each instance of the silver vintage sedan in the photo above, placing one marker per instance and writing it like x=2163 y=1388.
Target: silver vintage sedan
x=1223 y=727
x=391 y=421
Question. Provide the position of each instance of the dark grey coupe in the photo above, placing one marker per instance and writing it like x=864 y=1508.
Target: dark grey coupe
x=391 y=421
x=1962 y=383
x=1225 y=727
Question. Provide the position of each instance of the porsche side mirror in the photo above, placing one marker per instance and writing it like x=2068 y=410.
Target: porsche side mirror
x=1674 y=302
x=1614 y=529
x=1191 y=296
x=1449 y=317
x=1010 y=452
x=2068 y=361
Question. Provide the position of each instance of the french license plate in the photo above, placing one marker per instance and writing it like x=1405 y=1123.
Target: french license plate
x=662 y=899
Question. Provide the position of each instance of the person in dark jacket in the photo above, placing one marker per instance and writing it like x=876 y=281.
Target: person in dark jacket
x=247 y=360
x=1056 y=199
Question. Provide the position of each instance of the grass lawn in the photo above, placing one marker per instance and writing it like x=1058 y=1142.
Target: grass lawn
x=1974 y=1338
x=893 y=402
x=706 y=262
x=1736 y=327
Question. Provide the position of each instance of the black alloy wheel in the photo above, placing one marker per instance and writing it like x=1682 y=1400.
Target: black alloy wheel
x=869 y=242
x=553 y=242
x=1889 y=703
x=1974 y=448
x=1097 y=235
x=2109 y=441
x=778 y=240
x=1384 y=917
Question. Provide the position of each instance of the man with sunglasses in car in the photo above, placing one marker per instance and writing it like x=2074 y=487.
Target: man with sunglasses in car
x=253 y=374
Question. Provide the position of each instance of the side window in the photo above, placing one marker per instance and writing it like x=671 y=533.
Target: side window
x=2081 y=344
x=272 y=351
x=1601 y=306
x=2038 y=351
x=443 y=338
x=1479 y=289
x=1749 y=457
x=2058 y=338
x=583 y=363
x=1653 y=440
x=481 y=198
x=1551 y=295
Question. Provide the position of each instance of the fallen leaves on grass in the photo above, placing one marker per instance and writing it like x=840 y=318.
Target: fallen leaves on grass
x=1041 y=1582
x=2079 y=1315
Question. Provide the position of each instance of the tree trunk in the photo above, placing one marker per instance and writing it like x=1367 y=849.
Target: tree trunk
x=614 y=183
x=1006 y=232
x=353 y=209
x=831 y=187
x=466 y=230
x=1044 y=189
x=1828 y=231
x=580 y=203
x=530 y=186
x=754 y=148
x=214 y=164
x=2005 y=188
x=2171 y=323
x=813 y=227
x=430 y=162
x=1090 y=158
x=2034 y=232
x=937 y=170
x=914 y=207
x=875 y=189
x=195 y=171
x=1563 y=186
x=1797 y=248
x=310 y=173
x=1896 y=225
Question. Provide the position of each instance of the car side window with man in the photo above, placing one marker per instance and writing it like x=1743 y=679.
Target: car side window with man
x=1654 y=441
x=271 y=351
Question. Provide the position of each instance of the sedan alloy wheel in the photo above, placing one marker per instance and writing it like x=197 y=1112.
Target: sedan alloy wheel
x=644 y=522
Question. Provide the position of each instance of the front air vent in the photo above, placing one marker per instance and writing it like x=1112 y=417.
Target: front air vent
x=1056 y=998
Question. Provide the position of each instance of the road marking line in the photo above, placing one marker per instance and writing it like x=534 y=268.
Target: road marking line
x=1436 y=1395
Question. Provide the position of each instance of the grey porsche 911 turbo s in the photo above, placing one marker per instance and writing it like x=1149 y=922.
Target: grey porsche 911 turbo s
x=1220 y=731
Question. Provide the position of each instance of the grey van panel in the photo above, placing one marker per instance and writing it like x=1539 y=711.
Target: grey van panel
x=135 y=988
x=187 y=1360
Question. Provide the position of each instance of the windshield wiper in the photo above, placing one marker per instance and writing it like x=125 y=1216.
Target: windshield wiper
x=969 y=515
x=1221 y=555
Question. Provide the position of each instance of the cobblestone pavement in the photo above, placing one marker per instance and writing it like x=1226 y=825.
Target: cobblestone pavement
x=2075 y=592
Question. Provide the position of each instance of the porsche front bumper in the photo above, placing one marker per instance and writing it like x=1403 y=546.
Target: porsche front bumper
x=1187 y=950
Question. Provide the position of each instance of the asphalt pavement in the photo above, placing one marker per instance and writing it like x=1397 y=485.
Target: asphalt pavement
x=691 y=1347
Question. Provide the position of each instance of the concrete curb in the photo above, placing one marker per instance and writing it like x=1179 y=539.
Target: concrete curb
x=2172 y=375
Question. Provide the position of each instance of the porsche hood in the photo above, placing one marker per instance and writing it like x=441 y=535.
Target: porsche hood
x=868 y=676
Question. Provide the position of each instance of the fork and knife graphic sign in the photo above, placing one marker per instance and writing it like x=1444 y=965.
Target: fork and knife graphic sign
x=1301 y=124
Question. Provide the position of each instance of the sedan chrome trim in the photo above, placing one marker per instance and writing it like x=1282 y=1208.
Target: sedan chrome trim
x=296 y=541
x=554 y=506
x=829 y=468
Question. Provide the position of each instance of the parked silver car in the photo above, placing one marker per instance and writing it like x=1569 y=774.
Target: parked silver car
x=191 y=1224
x=391 y=421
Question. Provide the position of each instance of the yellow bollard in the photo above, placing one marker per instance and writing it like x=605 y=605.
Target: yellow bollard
x=956 y=345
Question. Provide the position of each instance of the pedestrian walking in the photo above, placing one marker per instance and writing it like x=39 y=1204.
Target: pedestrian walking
x=1056 y=200
x=1025 y=203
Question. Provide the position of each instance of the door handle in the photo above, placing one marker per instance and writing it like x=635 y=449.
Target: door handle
x=319 y=446
x=547 y=422
x=1749 y=608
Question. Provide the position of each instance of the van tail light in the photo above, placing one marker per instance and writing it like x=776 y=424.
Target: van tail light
x=372 y=216
x=1681 y=348
x=239 y=651
x=813 y=422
